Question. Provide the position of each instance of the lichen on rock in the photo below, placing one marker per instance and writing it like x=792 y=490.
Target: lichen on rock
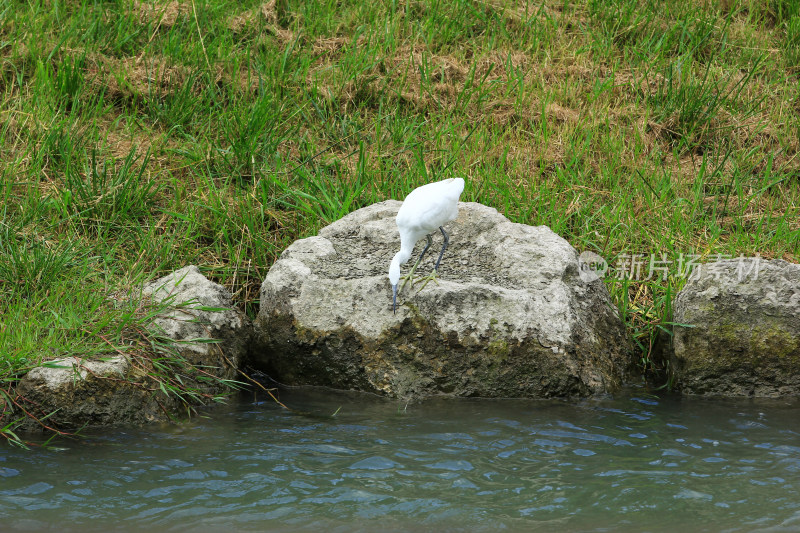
x=738 y=331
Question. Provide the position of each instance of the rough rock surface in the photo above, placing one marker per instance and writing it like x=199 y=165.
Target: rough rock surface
x=201 y=311
x=745 y=339
x=81 y=392
x=509 y=317
x=114 y=391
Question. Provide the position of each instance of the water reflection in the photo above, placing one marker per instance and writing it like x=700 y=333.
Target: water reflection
x=634 y=463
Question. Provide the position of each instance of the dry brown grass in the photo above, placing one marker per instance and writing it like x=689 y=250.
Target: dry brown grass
x=270 y=17
x=163 y=15
x=132 y=79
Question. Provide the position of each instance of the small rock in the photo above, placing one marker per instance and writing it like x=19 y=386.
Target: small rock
x=744 y=338
x=81 y=392
x=210 y=332
x=211 y=336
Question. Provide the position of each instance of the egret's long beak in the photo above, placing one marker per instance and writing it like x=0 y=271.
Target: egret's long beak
x=394 y=298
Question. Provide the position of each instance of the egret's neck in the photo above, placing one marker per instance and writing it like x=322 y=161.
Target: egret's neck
x=399 y=258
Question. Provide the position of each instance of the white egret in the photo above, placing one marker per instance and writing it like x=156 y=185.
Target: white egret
x=425 y=209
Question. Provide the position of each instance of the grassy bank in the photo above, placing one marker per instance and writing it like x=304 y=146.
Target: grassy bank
x=138 y=137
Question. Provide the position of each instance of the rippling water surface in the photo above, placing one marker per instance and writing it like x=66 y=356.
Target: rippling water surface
x=633 y=463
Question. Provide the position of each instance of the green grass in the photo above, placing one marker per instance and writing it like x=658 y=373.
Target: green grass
x=138 y=137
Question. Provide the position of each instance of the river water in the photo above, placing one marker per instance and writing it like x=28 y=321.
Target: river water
x=352 y=462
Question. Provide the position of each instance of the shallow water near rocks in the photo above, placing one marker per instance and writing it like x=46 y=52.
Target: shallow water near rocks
x=635 y=462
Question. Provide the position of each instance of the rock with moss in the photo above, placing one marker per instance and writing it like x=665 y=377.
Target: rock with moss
x=510 y=315
x=738 y=331
x=204 y=340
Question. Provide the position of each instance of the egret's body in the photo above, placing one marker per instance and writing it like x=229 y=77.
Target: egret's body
x=424 y=210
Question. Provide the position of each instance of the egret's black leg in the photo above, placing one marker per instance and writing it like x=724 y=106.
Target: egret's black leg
x=410 y=276
x=432 y=276
x=430 y=241
x=444 y=247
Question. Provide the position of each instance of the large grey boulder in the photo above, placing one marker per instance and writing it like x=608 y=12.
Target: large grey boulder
x=509 y=317
x=210 y=338
x=744 y=338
